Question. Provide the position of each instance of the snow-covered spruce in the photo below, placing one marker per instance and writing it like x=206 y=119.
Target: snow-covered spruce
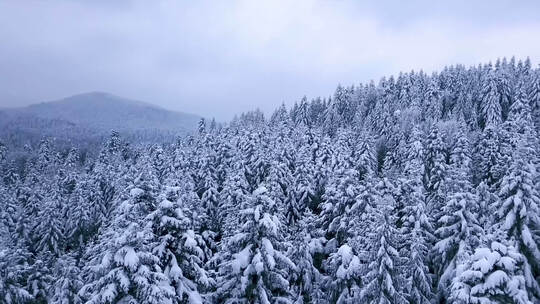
x=256 y=268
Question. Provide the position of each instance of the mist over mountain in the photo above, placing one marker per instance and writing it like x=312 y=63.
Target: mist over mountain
x=105 y=111
x=90 y=116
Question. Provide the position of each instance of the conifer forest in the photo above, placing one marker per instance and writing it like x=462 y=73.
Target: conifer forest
x=418 y=188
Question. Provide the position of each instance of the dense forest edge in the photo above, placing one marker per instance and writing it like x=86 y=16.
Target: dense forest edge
x=416 y=189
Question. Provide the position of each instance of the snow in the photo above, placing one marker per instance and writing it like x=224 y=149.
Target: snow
x=136 y=192
x=131 y=260
x=109 y=293
x=507 y=262
x=485 y=259
x=260 y=191
x=269 y=223
x=258 y=262
x=194 y=298
x=345 y=252
x=165 y=204
x=496 y=279
x=241 y=259
x=268 y=246
x=190 y=241
x=175 y=272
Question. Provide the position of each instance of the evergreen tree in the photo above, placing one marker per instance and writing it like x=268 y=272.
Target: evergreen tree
x=458 y=230
x=345 y=275
x=68 y=281
x=302 y=115
x=435 y=168
x=123 y=268
x=256 y=270
x=518 y=214
x=415 y=225
x=306 y=282
x=383 y=276
x=179 y=251
x=491 y=105
x=533 y=95
x=14 y=271
x=490 y=160
x=493 y=274
x=341 y=195
x=49 y=230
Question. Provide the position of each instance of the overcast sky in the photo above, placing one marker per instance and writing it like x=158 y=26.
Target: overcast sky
x=218 y=58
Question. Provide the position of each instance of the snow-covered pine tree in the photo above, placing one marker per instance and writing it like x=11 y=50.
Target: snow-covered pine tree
x=432 y=109
x=178 y=248
x=67 y=281
x=281 y=191
x=303 y=187
x=307 y=282
x=202 y=127
x=492 y=274
x=9 y=212
x=487 y=206
x=533 y=95
x=14 y=272
x=520 y=123
x=382 y=277
x=254 y=159
x=211 y=205
x=435 y=168
x=364 y=156
x=122 y=268
x=331 y=118
x=341 y=195
x=458 y=231
x=345 y=273
x=303 y=117
x=256 y=267
x=280 y=118
x=159 y=163
x=50 y=228
x=80 y=225
x=490 y=162
x=235 y=192
x=491 y=101
x=518 y=214
x=3 y=152
x=415 y=227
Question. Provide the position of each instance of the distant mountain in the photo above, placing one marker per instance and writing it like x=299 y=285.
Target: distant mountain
x=92 y=116
x=105 y=111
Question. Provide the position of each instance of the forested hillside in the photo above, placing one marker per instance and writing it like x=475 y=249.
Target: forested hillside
x=85 y=120
x=416 y=189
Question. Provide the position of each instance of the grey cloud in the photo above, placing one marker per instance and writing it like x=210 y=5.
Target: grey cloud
x=218 y=58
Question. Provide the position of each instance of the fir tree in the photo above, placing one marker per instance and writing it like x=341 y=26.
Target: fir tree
x=458 y=230
x=257 y=269
x=491 y=106
x=345 y=275
x=179 y=251
x=68 y=281
x=306 y=282
x=518 y=213
x=14 y=271
x=493 y=274
x=435 y=173
x=383 y=281
x=124 y=269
